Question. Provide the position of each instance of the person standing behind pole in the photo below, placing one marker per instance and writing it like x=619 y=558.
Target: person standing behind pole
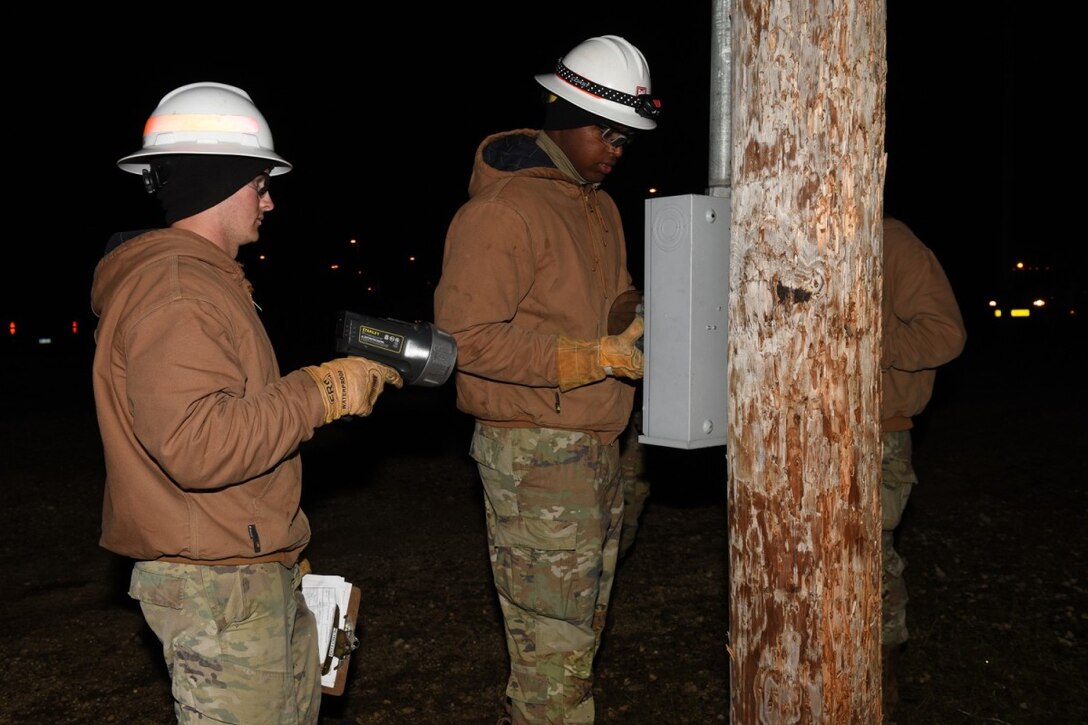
x=199 y=429
x=923 y=329
x=533 y=262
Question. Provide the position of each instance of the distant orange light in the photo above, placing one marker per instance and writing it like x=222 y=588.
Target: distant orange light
x=11 y=327
x=1019 y=265
x=334 y=266
x=75 y=327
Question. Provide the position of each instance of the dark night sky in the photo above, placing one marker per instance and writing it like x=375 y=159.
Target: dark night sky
x=382 y=140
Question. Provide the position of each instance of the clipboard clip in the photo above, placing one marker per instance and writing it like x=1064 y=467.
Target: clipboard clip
x=342 y=642
x=345 y=640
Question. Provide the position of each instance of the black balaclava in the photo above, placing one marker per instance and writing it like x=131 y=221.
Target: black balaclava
x=560 y=114
x=191 y=183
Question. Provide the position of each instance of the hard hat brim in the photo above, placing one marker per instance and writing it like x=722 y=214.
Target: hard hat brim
x=136 y=163
x=624 y=115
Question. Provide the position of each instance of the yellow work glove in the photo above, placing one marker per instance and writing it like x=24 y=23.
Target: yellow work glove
x=351 y=385
x=582 y=362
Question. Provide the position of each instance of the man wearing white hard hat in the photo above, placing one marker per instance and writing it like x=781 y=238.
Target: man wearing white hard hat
x=200 y=430
x=533 y=263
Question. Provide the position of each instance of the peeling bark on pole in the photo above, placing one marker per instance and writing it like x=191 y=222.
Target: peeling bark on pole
x=804 y=343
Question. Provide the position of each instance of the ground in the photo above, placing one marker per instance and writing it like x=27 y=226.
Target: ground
x=994 y=537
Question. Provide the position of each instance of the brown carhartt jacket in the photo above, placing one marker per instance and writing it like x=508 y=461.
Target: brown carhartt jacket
x=532 y=255
x=200 y=432
x=923 y=328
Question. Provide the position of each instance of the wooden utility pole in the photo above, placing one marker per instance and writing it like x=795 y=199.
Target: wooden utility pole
x=804 y=350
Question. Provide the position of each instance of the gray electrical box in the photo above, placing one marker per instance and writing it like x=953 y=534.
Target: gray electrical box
x=685 y=381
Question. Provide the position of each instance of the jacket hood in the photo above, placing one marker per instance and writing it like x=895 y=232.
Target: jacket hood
x=505 y=155
x=126 y=255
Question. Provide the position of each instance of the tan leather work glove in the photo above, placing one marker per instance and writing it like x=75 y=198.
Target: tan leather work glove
x=582 y=362
x=351 y=385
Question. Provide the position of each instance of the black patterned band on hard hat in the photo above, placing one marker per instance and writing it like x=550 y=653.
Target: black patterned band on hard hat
x=644 y=104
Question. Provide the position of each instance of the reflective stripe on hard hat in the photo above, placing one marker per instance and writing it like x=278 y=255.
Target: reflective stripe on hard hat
x=200 y=122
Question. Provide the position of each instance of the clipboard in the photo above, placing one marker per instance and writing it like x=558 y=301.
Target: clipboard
x=334 y=603
x=342 y=642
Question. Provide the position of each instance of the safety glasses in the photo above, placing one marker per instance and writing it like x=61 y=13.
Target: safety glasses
x=616 y=137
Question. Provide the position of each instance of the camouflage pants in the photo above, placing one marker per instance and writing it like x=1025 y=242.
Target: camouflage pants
x=239 y=642
x=636 y=489
x=554 y=506
x=897 y=480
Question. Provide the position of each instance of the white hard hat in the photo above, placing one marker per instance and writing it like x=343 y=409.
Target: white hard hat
x=608 y=77
x=205 y=118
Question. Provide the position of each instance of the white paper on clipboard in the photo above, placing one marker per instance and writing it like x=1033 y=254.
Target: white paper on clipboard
x=327 y=597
